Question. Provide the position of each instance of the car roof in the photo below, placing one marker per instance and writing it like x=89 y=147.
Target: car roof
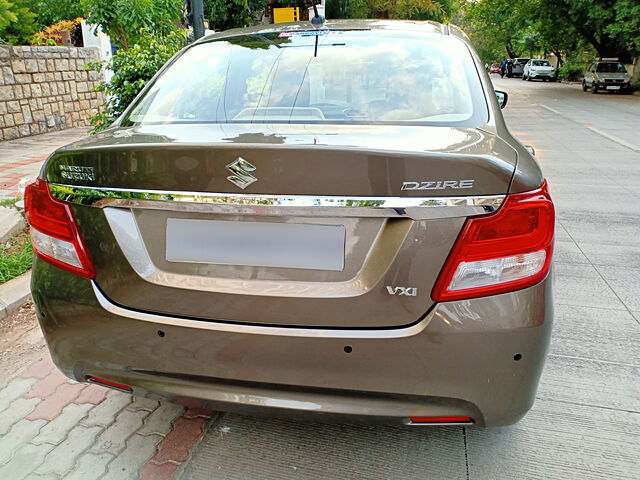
x=427 y=26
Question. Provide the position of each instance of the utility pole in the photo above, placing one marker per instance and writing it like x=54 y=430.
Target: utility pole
x=196 y=14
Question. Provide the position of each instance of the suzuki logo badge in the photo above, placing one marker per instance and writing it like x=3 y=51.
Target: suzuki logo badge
x=241 y=176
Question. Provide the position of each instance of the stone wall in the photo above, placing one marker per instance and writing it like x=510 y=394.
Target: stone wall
x=46 y=88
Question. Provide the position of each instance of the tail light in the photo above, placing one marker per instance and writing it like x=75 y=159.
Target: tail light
x=508 y=250
x=54 y=234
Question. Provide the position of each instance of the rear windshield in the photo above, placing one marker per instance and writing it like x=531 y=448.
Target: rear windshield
x=540 y=63
x=611 y=68
x=370 y=77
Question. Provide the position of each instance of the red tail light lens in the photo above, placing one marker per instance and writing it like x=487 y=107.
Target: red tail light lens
x=499 y=253
x=54 y=234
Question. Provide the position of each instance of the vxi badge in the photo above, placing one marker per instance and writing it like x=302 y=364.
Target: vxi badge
x=438 y=185
x=406 y=291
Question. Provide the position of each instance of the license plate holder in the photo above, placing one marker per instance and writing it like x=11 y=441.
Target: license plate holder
x=613 y=87
x=257 y=244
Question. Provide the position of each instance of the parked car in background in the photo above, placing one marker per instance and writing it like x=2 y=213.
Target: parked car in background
x=495 y=68
x=607 y=75
x=518 y=66
x=330 y=221
x=539 y=69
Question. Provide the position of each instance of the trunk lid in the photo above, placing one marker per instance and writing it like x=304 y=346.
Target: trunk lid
x=161 y=252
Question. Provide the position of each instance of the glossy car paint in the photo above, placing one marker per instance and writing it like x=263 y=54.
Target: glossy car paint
x=340 y=343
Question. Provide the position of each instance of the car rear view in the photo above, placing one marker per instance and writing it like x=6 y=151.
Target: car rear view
x=326 y=221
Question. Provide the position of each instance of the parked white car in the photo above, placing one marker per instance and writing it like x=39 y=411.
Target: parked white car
x=607 y=75
x=539 y=69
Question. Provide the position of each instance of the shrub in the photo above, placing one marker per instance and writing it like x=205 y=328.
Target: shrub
x=571 y=72
x=52 y=35
x=132 y=70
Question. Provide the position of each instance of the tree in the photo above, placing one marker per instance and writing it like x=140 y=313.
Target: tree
x=52 y=11
x=17 y=21
x=123 y=19
x=225 y=14
x=398 y=9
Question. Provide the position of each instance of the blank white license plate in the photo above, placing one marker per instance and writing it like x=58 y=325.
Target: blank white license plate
x=259 y=244
x=613 y=87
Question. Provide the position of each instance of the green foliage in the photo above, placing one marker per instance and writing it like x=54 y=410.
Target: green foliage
x=225 y=14
x=440 y=10
x=16 y=257
x=52 y=11
x=133 y=68
x=17 y=21
x=571 y=72
x=504 y=28
x=123 y=19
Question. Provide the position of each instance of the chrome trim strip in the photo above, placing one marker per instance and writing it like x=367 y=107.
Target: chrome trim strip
x=256 y=329
x=417 y=208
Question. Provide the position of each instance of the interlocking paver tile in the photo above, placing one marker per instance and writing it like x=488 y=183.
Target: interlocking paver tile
x=158 y=472
x=142 y=403
x=57 y=429
x=94 y=394
x=175 y=447
x=16 y=411
x=39 y=369
x=46 y=386
x=159 y=422
x=129 y=463
x=13 y=390
x=52 y=405
x=113 y=439
x=104 y=413
x=90 y=466
x=20 y=433
x=63 y=457
x=25 y=460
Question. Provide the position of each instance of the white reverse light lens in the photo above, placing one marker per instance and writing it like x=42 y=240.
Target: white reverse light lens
x=497 y=271
x=55 y=248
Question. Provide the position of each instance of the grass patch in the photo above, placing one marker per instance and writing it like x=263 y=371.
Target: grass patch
x=16 y=256
x=9 y=202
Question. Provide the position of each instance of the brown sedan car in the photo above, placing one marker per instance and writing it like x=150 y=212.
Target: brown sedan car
x=329 y=221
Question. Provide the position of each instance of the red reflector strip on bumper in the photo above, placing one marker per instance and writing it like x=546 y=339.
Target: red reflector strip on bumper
x=441 y=419
x=109 y=383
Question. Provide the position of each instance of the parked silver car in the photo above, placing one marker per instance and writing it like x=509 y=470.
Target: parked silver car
x=518 y=66
x=330 y=221
x=607 y=75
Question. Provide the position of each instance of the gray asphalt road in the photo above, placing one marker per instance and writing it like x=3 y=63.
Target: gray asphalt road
x=586 y=418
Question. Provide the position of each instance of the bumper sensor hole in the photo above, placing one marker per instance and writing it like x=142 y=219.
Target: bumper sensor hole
x=348 y=349
x=517 y=356
x=160 y=333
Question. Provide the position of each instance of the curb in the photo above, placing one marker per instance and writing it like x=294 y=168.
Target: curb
x=11 y=222
x=15 y=293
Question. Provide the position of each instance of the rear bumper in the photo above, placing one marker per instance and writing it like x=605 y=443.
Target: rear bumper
x=458 y=360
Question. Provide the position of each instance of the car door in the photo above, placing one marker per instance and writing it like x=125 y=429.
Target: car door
x=588 y=77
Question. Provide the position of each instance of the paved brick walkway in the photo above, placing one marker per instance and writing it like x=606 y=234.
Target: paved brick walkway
x=20 y=159
x=53 y=428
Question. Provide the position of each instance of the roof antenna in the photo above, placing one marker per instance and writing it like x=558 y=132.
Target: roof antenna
x=317 y=20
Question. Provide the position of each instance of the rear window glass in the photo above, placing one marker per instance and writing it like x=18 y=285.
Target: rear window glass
x=610 y=68
x=319 y=77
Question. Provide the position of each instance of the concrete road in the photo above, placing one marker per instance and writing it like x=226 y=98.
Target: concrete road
x=586 y=421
